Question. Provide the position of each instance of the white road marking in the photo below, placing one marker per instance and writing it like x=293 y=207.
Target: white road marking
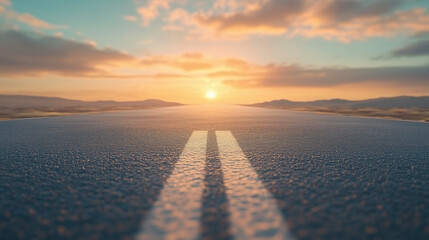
x=254 y=212
x=177 y=212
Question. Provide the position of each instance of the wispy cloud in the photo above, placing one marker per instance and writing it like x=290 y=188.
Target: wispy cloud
x=151 y=10
x=195 y=63
x=416 y=49
x=5 y=2
x=25 y=18
x=130 y=18
x=421 y=34
x=298 y=76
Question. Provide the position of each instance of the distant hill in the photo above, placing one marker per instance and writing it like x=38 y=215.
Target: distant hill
x=392 y=102
x=23 y=101
x=403 y=107
x=21 y=106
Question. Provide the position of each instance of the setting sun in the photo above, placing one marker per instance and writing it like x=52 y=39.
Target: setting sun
x=211 y=95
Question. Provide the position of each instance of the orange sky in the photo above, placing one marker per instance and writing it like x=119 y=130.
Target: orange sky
x=242 y=51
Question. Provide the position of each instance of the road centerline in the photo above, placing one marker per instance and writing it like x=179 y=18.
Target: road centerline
x=215 y=212
x=254 y=213
x=177 y=212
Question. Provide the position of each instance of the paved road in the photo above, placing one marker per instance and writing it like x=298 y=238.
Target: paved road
x=237 y=172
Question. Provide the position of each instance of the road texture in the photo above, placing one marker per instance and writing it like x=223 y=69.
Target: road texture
x=255 y=174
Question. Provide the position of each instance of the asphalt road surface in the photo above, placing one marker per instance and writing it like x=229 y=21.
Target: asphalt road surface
x=213 y=172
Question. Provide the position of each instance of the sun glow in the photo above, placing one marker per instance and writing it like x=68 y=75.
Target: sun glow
x=211 y=94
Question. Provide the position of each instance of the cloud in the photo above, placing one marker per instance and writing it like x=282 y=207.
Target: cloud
x=146 y=42
x=25 y=18
x=421 y=34
x=195 y=63
x=176 y=14
x=24 y=54
x=130 y=18
x=151 y=11
x=235 y=4
x=338 y=11
x=420 y=48
x=360 y=25
x=298 y=76
x=27 y=54
x=273 y=17
x=31 y=54
x=347 y=20
x=340 y=20
x=5 y=2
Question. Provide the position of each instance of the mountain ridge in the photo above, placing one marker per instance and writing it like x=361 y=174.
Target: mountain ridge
x=382 y=102
x=25 y=106
x=41 y=101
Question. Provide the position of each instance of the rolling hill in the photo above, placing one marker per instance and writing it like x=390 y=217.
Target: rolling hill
x=392 y=102
x=22 y=106
x=403 y=107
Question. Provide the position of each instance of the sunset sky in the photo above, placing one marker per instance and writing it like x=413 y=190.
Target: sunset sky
x=220 y=51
